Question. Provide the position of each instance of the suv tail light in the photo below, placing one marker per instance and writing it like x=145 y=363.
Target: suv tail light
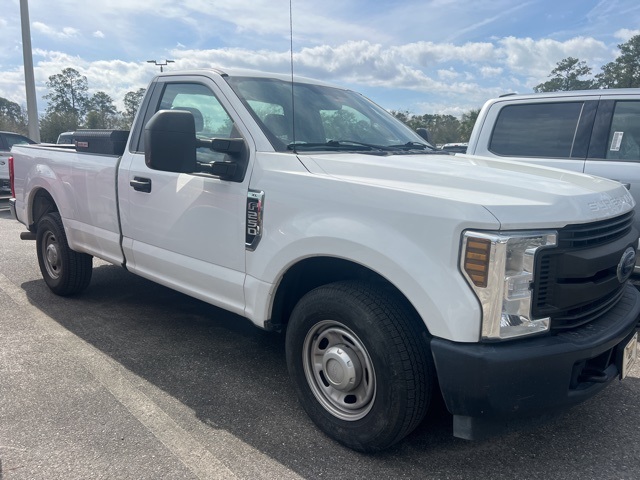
x=11 y=177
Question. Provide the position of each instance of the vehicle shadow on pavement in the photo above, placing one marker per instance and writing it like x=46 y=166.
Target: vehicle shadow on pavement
x=234 y=377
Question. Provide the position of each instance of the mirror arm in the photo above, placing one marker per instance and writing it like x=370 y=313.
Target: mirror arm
x=230 y=146
x=224 y=170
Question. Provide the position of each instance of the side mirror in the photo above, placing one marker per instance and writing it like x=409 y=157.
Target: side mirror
x=424 y=133
x=170 y=145
x=170 y=141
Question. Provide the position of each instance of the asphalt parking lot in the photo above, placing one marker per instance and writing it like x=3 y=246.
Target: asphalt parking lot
x=131 y=380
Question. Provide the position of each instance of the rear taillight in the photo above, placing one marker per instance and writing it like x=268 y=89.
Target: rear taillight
x=11 y=177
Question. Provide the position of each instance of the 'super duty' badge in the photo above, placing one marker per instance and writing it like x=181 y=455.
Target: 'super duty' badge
x=255 y=202
x=626 y=265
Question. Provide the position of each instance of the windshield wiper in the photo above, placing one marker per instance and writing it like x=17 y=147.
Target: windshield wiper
x=341 y=145
x=412 y=146
x=354 y=146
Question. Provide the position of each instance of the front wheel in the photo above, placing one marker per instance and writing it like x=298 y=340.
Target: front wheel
x=64 y=271
x=360 y=364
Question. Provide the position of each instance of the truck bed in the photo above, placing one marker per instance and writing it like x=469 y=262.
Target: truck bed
x=84 y=185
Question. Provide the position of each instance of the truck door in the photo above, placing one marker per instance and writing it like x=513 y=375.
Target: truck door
x=614 y=151
x=186 y=231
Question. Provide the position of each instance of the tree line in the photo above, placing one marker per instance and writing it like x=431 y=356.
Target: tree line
x=71 y=107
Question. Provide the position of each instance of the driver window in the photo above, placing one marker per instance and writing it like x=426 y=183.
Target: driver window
x=211 y=119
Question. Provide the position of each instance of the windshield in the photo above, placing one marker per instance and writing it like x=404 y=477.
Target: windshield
x=326 y=118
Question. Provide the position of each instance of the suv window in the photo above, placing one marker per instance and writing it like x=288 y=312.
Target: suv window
x=12 y=139
x=536 y=130
x=624 y=134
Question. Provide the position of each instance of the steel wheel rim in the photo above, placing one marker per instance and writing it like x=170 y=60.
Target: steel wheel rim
x=51 y=255
x=339 y=370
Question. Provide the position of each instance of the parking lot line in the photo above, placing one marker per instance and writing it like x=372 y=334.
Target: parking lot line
x=200 y=461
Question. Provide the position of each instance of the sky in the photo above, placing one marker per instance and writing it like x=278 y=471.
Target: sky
x=419 y=56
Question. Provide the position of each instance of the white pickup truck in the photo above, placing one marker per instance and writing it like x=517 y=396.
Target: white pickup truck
x=397 y=272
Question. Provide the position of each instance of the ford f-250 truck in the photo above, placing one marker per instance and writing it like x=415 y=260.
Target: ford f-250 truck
x=397 y=272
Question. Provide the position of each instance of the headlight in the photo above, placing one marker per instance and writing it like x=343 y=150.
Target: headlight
x=500 y=269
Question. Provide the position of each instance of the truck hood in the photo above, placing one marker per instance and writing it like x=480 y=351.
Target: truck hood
x=519 y=195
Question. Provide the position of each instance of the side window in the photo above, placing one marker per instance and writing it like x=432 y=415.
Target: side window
x=16 y=140
x=536 y=130
x=624 y=134
x=211 y=119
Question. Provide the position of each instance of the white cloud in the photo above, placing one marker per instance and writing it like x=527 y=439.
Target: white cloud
x=488 y=72
x=536 y=58
x=447 y=74
x=66 y=32
x=98 y=34
x=625 y=34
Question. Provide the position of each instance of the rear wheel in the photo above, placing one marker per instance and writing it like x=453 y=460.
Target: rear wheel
x=360 y=364
x=64 y=271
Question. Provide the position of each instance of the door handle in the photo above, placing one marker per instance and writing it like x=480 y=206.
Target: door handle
x=141 y=184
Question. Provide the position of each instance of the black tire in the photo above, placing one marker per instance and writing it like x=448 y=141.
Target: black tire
x=64 y=271
x=360 y=364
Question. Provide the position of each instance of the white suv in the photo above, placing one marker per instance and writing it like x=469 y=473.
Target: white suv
x=590 y=131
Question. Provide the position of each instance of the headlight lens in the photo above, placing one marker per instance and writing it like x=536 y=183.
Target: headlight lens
x=499 y=266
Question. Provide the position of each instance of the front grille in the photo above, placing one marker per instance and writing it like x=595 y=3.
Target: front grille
x=577 y=282
x=597 y=233
x=586 y=313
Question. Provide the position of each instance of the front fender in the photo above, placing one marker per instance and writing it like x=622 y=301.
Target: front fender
x=427 y=275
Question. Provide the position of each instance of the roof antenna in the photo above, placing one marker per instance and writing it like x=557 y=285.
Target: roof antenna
x=293 y=105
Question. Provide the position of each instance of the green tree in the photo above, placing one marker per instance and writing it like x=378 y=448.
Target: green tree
x=442 y=128
x=132 y=101
x=101 y=112
x=624 y=71
x=467 y=122
x=13 y=117
x=54 y=123
x=566 y=76
x=408 y=119
x=67 y=93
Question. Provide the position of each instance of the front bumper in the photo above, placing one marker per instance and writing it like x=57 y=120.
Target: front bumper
x=484 y=382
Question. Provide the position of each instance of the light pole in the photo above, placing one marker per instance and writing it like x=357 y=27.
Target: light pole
x=160 y=64
x=29 y=79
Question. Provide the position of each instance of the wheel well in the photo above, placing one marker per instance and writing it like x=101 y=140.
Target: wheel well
x=42 y=204
x=311 y=273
